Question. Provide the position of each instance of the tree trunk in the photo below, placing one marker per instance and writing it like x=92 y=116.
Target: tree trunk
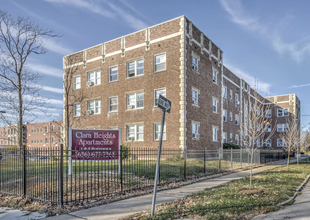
x=252 y=155
x=20 y=114
x=288 y=156
x=297 y=157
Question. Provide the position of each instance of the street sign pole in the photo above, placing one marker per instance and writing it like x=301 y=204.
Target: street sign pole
x=70 y=151
x=165 y=105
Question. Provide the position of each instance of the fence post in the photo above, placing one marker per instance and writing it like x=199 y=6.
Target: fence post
x=24 y=172
x=121 y=168
x=185 y=155
x=219 y=159
x=240 y=158
x=204 y=161
x=61 y=187
x=249 y=158
x=231 y=159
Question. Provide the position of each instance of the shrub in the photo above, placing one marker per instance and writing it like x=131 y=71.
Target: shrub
x=126 y=152
x=229 y=146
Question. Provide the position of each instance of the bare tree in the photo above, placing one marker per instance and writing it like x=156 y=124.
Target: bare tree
x=20 y=92
x=255 y=131
x=290 y=138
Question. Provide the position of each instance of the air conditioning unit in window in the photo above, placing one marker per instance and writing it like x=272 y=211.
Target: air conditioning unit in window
x=194 y=67
x=131 y=74
x=130 y=106
x=131 y=138
x=89 y=83
x=90 y=112
x=196 y=136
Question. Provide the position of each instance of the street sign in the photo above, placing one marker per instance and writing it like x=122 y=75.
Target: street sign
x=164 y=104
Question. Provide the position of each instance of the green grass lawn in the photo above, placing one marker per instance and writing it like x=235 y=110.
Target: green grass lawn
x=232 y=200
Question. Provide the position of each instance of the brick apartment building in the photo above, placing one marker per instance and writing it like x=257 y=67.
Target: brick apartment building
x=116 y=85
x=45 y=134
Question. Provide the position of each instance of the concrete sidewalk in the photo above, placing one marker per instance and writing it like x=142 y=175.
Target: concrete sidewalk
x=130 y=206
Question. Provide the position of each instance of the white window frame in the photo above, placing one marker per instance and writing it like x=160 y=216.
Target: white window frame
x=135 y=100
x=282 y=127
x=282 y=141
x=113 y=127
x=268 y=143
x=216 y=104
x=161 y=93
x=195 y=99
x=284 y=110
x=196 y=125
x=231 y=138
x=224 y=92
x=75 y=111
x=95 y=104
x=231 y=116
x=237 y=139
x=225 y=137
x=214 y=76
x=195 y=65
x=268 y=128
x=236 y=119
x=46 y=128
x=237 y=102
x=155 y=64
x=75 y=83
x=135 y=131
x=231 y=94
x=110 y=69
x=53 y=140
x=268 y=113
x=135 y=69
x=224 y=115
x=155 y=132
x=96 y=78
x=113 y=97
x=215 y=130
x=257 y=142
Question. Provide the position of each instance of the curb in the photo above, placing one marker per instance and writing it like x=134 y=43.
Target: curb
x=299 y=188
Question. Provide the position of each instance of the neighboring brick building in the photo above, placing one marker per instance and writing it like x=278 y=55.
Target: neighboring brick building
x=45 y=134
x=116 y=83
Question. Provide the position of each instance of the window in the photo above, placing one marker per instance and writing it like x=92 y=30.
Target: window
x=135 y=101
x=35 y=130
x=157 y=130
x=237 y=139
x=268 y=143
x=158 y=92
x=214 y=132
x=76 y=109
x=94 y=77
x=113 y=73
x=224 y=92
x=41 y=141
x=224 y=137
x=231 y=137
x=280 y=143
x=282 y=127
x=160 y=62
x=237 y=99
x=214 y=77
x=268 y=129
x=195 y=60
x=224 y=115
x=283 y=112
x=135 y=132
x=215 y=105
x=113 y=104
x=258 y=142
x=59 y=128
x=59 y=141
x=32 y=141
x=9 y=131
x=195 y=130
x=53 y=127
x=46 y=128
x=113 y=127
x=230 y=116
x=268 y=113
x=53 y=140
x=230 y=94
x=94 y=106
x=195 y=93
x=76 y=82
x=237 y=119
x=46 y=140
x=135 y=68
x=41 y=130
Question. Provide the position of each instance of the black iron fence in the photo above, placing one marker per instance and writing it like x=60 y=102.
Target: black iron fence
x=45 y=174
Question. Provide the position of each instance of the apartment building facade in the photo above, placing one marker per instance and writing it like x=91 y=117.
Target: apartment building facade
x=116 y=85
x=44 y=134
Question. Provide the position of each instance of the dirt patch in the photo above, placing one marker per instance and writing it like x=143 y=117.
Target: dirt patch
x=248 y=191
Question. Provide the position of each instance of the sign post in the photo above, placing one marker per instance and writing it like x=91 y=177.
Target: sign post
x=165 y=105
x=70 y=150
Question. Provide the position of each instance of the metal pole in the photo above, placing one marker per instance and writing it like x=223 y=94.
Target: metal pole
x=185 y=155
x=24 y=172
x=70 y=151
x=119 y=144
x=158 y=163
x=204 y=161
x=219 y=159
x=61 y=187
x=120 y=168
x=231 y=158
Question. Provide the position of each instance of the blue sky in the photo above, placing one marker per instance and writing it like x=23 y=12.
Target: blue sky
x=269 y=40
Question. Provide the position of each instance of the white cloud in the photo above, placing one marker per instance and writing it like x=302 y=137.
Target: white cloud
x=269 y=31
x=53 y=89
x=298 y=86
x=55 y=102
x=56 y=47
x=45 y=69
x=262 y=87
